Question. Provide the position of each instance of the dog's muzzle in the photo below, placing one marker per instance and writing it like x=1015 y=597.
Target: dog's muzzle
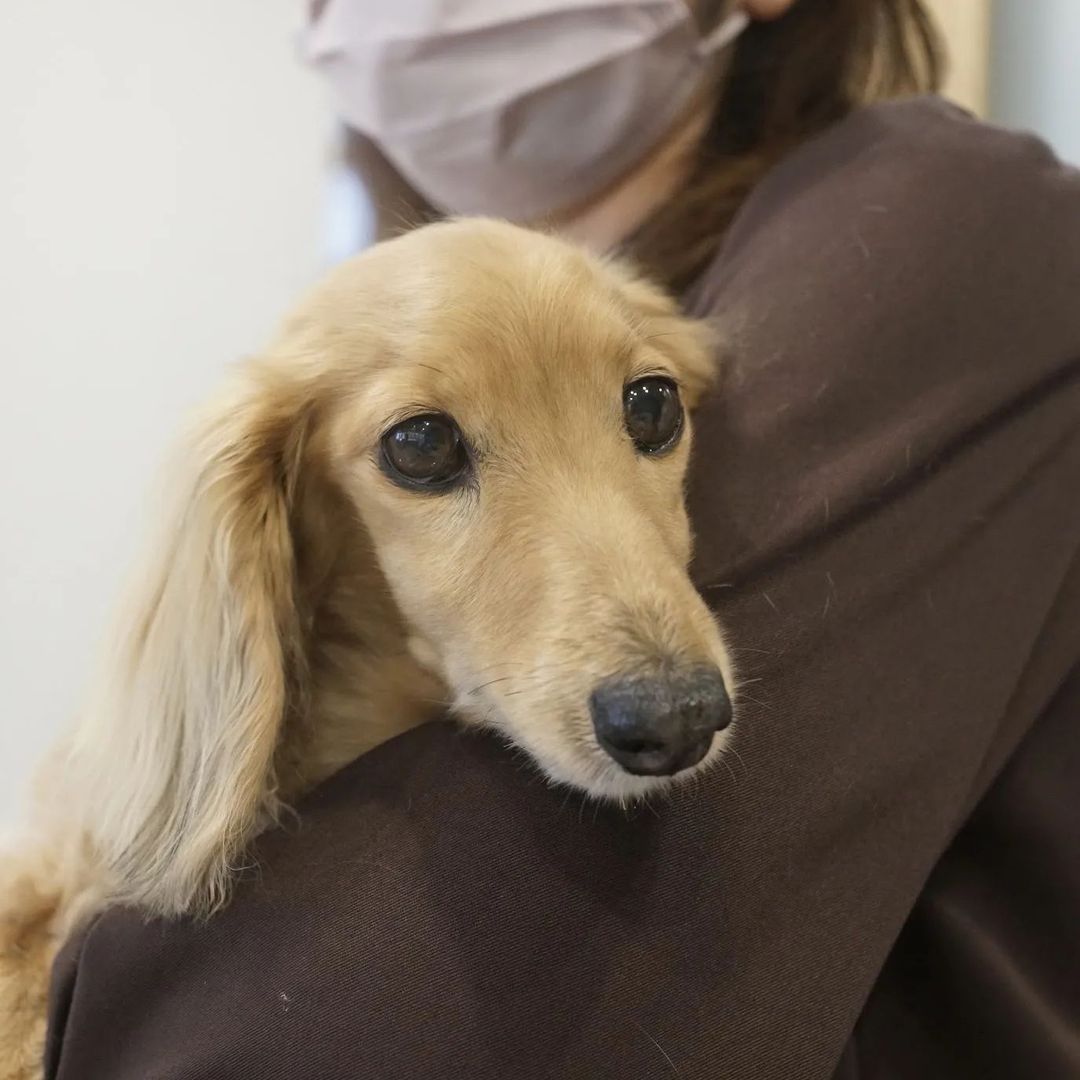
x=659 y=726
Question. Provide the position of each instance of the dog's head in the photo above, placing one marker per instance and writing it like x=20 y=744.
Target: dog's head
x=465 y=454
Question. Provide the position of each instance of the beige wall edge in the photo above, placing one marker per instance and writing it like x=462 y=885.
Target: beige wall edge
x=965 y=27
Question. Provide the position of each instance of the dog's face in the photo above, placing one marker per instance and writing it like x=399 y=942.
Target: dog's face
x=516 y=446
x=466 y=450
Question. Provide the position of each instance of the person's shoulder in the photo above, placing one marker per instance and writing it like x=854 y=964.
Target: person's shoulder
x=930 y=130
x=885 y=290
x=952 y=159
x=905 y=198
x=925 y=166
x=930 y=145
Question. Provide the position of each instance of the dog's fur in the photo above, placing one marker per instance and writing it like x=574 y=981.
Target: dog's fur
x=299 y=608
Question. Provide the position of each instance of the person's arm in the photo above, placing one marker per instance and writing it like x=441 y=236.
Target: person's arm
x=891 y=483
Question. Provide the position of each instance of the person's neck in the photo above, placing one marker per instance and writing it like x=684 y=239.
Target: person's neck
x=610 y=217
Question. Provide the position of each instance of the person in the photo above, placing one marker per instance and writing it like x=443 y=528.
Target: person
x=884 y=880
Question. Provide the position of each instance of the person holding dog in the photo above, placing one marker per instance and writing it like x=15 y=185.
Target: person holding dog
x=883 y=880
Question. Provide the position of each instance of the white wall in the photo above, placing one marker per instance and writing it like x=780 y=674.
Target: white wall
x=1035 y=70
x=161 y=188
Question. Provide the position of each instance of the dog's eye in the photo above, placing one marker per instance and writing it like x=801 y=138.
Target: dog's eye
x=654 y=414
x=425 y=452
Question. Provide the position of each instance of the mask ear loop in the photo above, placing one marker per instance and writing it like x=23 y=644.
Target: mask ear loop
x=724 y=33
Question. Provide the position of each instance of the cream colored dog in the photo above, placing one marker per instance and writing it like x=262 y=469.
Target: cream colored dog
x=455 y=480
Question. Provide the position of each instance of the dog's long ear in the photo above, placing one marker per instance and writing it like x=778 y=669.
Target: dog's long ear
x=178 y=745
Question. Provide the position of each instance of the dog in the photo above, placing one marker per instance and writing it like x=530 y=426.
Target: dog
x=454 y=483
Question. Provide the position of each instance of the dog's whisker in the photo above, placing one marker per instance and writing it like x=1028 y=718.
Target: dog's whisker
x=727 y=765
x=666 y=1055
x=484 y=686
x=755 y=701
x=738 y=757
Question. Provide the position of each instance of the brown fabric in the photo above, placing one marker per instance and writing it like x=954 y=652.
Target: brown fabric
x=985 y=981
x=887 y=498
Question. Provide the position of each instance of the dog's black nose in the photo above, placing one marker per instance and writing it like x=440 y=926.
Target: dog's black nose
x=660 y=726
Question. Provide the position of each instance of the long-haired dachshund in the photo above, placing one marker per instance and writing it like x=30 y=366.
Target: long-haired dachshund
x=456 y=479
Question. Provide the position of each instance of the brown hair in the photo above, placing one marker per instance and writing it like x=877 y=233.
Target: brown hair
x=788 y=79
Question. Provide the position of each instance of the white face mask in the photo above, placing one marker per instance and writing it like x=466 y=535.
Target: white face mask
x=513 y=108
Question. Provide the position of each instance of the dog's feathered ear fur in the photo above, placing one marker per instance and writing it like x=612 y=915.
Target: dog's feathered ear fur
x=179 y=745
